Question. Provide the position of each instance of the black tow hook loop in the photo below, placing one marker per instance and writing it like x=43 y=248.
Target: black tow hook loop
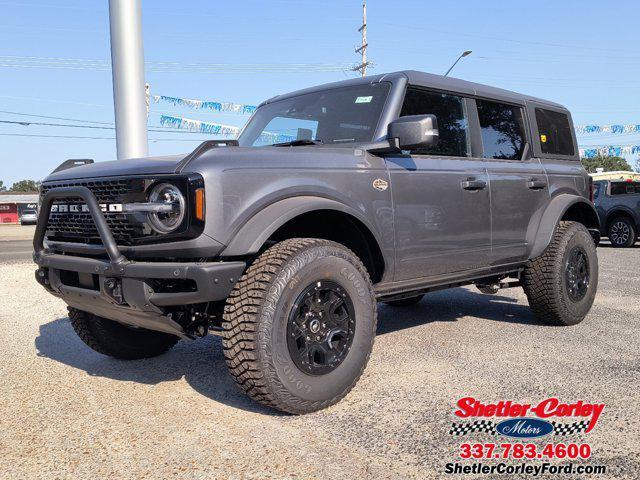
x=113 y=289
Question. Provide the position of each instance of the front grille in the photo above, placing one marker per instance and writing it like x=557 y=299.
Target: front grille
x=79 y=226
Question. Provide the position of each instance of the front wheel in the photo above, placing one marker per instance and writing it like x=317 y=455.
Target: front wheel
x=561 y=284
x=299 y=325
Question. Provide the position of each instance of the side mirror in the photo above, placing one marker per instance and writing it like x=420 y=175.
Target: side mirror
x=414 y=131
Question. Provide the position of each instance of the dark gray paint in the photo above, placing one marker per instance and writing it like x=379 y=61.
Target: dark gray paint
x=428 y=226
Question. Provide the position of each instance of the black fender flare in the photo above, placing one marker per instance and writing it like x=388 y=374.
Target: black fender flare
x=257 y=230
x=541 y=236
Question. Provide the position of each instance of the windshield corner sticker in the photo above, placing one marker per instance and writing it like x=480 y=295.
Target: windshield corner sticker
x=380 y=184
x=364 y=99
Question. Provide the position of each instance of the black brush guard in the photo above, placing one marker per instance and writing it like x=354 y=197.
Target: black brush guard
x=125 y=290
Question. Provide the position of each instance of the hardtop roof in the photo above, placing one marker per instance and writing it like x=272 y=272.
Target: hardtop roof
x=429 y=80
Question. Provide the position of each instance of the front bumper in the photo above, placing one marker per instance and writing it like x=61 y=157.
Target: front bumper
x=120 y=289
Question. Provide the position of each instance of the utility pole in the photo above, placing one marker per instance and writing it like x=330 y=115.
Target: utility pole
x=127 y=69
x=363 y=48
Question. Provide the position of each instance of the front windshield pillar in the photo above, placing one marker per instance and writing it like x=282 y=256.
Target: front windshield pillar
x=392 y=107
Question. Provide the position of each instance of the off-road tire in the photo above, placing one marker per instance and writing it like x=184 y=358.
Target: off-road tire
x=405 y=302
x=544 y=277
x=117 y=340
x=256 y=317
x=631 y=239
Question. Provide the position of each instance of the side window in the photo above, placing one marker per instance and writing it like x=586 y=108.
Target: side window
x=555 y=132
x=597 y=187
x=625 y=188
x=453 y=126
x=502 y=130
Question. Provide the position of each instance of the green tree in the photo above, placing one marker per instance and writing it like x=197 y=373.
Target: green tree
x=25 y=186
x=607 y=163
x=2 y=187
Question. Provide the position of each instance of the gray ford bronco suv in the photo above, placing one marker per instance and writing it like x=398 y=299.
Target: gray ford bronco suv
x=332 y=199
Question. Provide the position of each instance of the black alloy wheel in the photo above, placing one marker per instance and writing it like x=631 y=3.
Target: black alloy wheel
x=577 y=274
x=320 y=328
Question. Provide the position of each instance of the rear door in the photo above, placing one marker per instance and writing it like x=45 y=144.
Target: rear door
x=440 y=194
x=519 y=189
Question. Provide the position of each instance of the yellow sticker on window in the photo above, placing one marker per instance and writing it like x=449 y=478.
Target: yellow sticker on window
x=543 y=138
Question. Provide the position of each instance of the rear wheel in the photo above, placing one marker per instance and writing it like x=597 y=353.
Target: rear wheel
x=299 y=325
x=622 y=232
x=117 y=340
x=561 y=284
x=405 y=302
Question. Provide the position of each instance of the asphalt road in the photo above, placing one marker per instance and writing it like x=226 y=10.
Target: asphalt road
x=68 y=412
x=16 y=243
x=12 y=251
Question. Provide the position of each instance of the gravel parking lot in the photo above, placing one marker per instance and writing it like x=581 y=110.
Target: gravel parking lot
x=68 y=412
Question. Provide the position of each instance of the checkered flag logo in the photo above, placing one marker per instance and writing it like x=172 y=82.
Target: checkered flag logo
x=564 y=429
x=485 y=426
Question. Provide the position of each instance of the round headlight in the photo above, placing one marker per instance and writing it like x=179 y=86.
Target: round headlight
x=166 y=220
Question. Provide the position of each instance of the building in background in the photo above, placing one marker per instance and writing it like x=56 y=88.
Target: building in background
x=12 y=205
x=616 y=175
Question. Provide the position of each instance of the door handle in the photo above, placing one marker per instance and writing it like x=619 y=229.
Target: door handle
x=535 y=184
x=472 y=184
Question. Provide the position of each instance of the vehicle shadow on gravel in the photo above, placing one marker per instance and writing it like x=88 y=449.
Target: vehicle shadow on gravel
x=201 y=363
x=451 y=305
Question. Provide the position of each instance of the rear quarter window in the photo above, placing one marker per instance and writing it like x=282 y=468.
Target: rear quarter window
x=555 y=133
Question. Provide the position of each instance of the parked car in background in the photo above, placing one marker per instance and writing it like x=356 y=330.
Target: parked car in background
x=29 y=217
x=618 y=206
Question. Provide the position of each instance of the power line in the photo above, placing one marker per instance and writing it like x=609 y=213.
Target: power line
x=152 y=128
x=158 y=128
x=165 y=67
x=55 y=118
x=103 y=138
x=26 y=124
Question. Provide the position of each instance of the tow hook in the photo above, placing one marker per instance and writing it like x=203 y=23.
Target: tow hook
x=113 y=290
x=42 y=276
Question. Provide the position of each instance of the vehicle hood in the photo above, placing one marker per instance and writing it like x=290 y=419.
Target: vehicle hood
x=134 y=166
x=221 y=158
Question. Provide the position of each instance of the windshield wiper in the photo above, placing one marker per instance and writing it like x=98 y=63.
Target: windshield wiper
x=297 y=143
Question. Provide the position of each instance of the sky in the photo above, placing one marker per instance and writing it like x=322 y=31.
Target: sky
x=54 y=58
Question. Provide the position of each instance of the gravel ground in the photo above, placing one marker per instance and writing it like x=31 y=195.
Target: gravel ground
x=68 y=412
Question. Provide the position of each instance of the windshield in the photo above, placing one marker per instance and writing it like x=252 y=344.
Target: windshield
x=29 y=212
x=335 y=116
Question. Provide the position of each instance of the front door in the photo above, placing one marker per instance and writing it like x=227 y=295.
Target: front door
x=440 y=195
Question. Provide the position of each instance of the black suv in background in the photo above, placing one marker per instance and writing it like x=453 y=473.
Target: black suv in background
x=618 y=205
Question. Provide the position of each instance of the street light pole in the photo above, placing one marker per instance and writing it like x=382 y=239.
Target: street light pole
x=127 y=68
x=462 y=55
